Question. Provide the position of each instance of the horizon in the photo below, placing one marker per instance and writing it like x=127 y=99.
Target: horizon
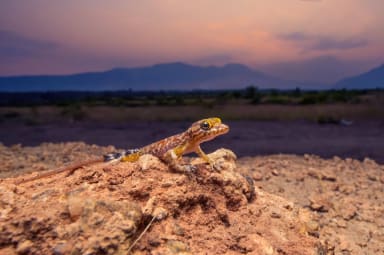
x=180 y=76
x=289 y=40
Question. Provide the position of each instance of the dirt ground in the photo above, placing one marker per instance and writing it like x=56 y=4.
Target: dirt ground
x=300 y=205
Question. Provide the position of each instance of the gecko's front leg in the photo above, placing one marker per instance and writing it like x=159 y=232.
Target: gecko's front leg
x=205 y=157
x=173 y=157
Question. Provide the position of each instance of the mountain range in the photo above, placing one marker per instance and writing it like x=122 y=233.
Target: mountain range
x=175 y=76
x=369 y=80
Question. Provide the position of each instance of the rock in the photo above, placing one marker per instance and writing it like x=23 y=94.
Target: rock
x=7 y=203
x=348 y=211
x=320 y=203
x=213 y=211
x=75 y=207
x=275 y=172
x=63 y=248
x=344 y=245
x=177 y=247
x=328 y=176
x=24 y=247
x=372 y=177
x=257 y=176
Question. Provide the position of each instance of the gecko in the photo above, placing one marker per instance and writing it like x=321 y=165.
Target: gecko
x=169 y=150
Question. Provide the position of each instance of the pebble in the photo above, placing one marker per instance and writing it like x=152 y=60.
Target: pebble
x=177 y=247
x=275 y=172
x=257 y=176
x=275 y=215
x=24 y=247
x=328 y=176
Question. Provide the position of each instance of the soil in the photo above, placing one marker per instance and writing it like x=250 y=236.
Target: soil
x=275 y=204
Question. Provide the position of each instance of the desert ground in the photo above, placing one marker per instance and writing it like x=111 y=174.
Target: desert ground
x=274 y=204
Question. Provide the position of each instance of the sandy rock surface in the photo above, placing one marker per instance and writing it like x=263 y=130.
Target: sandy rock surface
x=105 y=208
x=346 y=195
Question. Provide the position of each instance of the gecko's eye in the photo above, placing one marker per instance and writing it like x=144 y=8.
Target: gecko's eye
x=205 y=125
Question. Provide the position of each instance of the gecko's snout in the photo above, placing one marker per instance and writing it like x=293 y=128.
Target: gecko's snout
x=224 y=128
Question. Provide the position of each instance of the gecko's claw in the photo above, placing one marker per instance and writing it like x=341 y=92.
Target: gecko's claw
x=190 y=169
x=215 y=166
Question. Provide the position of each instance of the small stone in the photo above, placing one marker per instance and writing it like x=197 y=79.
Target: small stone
x=177 y=229
x=166 y=184
x=257 y=176
x=96 y=219
x=115 y=181
x=154 y=241
x=347 y=189
x=75 y=207
x=348 y=211
x=268 y=250
x=319 y=203
x=313 y=174
x=62 y=248
x=312 y=226
x=24 y=247
x=328 y=176
x=341 y=223
x=160 y=213
x=315 y=206
x=177 y=247
x=344 y=244
x=275 y=215
x=372 y=177
x=289 y=206
x=128 y=227
x=369 y=161
x=337 y=159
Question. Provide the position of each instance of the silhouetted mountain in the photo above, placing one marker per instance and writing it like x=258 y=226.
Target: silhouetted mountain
x=369 y=80
x=170 y=76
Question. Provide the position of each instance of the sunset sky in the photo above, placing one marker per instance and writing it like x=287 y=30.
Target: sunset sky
x=310 y=40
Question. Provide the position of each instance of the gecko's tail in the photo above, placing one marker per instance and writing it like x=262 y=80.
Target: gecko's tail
x=120 y=156
x=127 y=155
x=68 y=168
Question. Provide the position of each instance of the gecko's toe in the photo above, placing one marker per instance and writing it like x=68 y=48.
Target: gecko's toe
x=190 y=169
x=216 y=166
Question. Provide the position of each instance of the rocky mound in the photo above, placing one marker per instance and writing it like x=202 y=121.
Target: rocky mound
x=105 y=208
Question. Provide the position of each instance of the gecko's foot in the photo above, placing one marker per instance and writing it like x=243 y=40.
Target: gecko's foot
x=190 y=169
x=216 y=166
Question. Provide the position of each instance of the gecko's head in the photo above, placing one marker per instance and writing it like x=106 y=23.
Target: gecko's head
x=207 y=129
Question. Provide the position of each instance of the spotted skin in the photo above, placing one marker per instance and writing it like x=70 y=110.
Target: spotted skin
x=169 y=149
x=172 y=148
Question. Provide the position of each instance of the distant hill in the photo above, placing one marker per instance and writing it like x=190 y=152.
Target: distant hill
x=369 y=80
x=170 y=76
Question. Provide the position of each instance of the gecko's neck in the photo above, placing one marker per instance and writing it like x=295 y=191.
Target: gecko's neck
x=159 y=148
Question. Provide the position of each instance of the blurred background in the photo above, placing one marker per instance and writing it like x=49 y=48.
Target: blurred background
x=297 y=77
